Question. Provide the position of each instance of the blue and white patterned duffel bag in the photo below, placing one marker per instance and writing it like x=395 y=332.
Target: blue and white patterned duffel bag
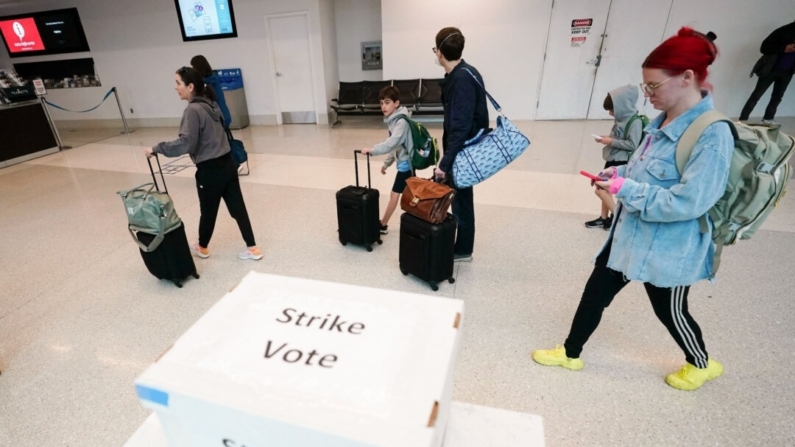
x=487 y=153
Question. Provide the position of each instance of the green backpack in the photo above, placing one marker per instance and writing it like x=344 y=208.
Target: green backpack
x=424 y=152
x=758 y=178
x=644 y=121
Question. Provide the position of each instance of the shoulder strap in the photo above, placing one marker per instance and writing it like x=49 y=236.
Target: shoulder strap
x=491 y=98
x=227 y=130
x=687 y=142
x=412 y=128
x=634 y=118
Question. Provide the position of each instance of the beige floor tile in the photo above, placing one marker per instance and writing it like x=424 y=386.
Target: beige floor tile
x=80 y=316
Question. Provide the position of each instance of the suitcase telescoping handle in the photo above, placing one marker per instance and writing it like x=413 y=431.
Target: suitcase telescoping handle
x=356 y=166
x=154 y=179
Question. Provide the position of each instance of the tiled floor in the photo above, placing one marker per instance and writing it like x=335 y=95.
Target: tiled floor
x=80 y=317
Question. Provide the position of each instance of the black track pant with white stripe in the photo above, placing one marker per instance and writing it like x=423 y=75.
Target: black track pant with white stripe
x=670 y=306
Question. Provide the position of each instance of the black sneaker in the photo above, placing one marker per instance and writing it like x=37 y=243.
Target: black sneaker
x=596 y=223
x=384 y=229
x=608 y=223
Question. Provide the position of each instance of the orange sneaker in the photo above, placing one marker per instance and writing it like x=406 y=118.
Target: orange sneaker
x=252 y=253
x=200 y=251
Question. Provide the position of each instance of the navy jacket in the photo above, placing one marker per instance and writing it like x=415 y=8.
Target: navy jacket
x=215 y=83
x=778 y=40
x=775 y=44
x=465 y=111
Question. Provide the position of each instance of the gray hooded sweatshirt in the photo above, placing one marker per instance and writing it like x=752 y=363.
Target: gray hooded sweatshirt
x=624 y=108
x=399 y=142
x=201 y=134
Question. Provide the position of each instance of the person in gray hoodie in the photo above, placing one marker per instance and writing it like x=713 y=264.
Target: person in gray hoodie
x=202 y=136
x=397 y=146
x=624 y=138
x=211 y=79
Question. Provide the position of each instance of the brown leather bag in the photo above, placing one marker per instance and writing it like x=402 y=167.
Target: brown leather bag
x=426 y=199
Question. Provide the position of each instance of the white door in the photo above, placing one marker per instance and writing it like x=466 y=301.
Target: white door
x=572 y=58
x=634 y=29
x=292 y=64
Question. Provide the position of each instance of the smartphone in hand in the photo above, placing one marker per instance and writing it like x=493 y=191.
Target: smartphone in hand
x=595 y=178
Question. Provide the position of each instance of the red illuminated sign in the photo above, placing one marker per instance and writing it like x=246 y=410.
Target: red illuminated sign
x=21 y=35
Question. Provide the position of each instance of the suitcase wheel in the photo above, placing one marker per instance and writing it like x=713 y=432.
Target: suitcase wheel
x=195 y=275
x=178 y=283
x=434 y=287
x=380 y=242
x=403 y=271
x=451 y=280
x=369 y=247
x=343 y=242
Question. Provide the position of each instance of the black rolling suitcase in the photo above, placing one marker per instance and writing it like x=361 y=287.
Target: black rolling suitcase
x=172 y=259
x=426 y=249
x=357 y=212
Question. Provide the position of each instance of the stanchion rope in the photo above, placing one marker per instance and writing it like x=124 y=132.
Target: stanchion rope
x=82 y=111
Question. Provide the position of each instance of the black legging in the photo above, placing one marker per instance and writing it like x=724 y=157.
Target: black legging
x=670 y=306
x=217 y=179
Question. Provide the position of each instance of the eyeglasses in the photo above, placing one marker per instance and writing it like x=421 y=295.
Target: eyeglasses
x=434 y=49
x=650 y=88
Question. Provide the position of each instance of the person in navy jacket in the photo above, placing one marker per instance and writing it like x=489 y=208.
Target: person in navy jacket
x=465 y=113
x=200 y=64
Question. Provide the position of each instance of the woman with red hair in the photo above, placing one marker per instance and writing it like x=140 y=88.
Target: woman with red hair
x=656 y=237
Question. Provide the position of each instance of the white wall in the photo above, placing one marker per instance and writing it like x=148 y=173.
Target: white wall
x=741 y=27
x=328 y=28
x=504 y=40
x=357 y=21
x=138 y=49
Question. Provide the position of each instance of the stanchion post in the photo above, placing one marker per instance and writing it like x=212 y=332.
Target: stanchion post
x=121 y=111
x=52 y=124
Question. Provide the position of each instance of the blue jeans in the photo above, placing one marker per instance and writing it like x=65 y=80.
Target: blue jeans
x=464 y=213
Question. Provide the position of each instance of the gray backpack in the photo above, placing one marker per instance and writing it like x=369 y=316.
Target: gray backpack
x=758 y=178
x=149 y=211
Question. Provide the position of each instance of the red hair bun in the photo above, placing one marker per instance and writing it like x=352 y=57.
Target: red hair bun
x=688 y=50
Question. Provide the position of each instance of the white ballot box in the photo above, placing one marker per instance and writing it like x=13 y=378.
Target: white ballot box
x=469 y=426
x=286 y=362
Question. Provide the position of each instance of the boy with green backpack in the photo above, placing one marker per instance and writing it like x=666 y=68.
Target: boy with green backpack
x=624 y=138
x=409 y=143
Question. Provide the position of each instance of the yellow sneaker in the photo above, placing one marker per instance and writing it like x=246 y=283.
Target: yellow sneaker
x=690 y=378
x=557 y=357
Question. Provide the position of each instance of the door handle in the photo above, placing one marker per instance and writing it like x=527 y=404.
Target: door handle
x=596 y=61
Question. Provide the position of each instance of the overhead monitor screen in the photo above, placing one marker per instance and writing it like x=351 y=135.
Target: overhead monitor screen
x=40 y=33
x=206 y=19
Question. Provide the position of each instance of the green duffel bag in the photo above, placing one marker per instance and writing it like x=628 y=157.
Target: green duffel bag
x=149 y=211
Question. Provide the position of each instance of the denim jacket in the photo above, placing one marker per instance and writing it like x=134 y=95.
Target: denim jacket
x=657 y=238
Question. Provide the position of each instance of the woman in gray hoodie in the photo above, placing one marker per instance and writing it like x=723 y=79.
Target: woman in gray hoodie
x=202 y=136
x=624 y=138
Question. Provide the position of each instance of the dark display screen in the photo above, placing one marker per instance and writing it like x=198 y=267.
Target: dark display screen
x=40 y=33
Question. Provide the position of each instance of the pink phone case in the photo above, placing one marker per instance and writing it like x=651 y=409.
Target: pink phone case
x=592 y=177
